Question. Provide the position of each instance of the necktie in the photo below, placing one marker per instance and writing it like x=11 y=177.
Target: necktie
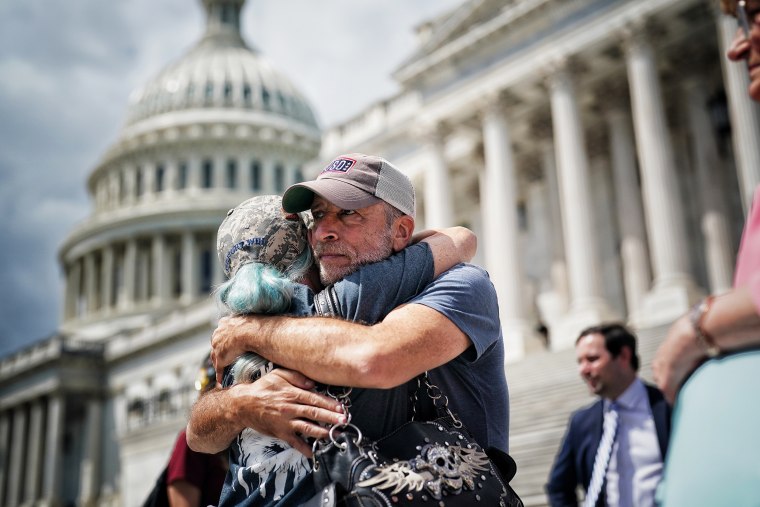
x=603 y=453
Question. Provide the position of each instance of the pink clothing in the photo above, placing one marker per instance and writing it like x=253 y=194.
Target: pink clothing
x=748 y=259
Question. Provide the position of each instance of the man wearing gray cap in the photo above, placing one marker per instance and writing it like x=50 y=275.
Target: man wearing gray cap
x=363 y=210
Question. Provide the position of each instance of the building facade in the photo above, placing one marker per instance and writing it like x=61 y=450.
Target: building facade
x=603 y=151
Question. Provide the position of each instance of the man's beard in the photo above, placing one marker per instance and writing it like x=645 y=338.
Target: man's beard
x=375 y=251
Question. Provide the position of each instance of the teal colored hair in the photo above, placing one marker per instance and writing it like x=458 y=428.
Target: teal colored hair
x=259 y=288
x=262 y=288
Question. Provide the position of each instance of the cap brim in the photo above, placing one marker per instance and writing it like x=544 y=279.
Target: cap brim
x=299 y=197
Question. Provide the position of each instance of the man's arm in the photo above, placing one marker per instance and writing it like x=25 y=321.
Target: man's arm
x=732 y=321
x=412 y=339
x=449 y=246
x=279 y=404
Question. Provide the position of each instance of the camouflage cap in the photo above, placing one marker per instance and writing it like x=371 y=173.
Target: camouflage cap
x=258 y=230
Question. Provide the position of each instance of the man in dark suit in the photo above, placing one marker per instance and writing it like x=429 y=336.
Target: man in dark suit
x=631 y=467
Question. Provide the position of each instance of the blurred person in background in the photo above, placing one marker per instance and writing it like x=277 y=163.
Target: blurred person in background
x=709 y=362
x=195 y=479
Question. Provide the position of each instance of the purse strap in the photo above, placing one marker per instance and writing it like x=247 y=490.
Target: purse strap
x=436 y=395
x=326 y=305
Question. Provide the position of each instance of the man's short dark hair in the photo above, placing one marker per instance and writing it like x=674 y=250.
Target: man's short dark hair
x=616 y=336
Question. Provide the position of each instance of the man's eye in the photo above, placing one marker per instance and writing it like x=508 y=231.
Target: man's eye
x=317 y=214
x=348 y=212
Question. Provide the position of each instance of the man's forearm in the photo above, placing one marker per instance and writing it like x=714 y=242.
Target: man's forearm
x=328 y=350
x=412 y=339
x=210 y=429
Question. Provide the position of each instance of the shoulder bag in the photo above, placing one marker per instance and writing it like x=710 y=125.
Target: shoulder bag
x=431 y=463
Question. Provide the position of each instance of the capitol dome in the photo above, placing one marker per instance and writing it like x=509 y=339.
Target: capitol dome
x=221 y=71
x=209 y=131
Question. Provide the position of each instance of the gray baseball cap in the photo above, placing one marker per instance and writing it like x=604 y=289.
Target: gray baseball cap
x=258 y=230
x=354 y=181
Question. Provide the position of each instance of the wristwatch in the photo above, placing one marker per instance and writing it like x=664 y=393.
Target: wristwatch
x=696 y=316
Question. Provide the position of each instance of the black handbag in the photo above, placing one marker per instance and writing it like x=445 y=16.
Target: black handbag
x=426 y=463
x=430 y=463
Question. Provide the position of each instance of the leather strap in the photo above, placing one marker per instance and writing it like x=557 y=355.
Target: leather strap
x=326 y=303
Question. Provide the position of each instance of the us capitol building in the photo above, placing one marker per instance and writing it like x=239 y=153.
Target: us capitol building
x=603 y=150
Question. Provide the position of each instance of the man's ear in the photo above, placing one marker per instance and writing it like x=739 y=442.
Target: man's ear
x=625 y=355
x=403 y=228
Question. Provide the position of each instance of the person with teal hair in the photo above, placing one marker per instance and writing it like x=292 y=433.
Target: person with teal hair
x=266 y=256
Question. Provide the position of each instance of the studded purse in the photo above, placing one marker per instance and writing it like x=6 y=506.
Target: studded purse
x=425 y=463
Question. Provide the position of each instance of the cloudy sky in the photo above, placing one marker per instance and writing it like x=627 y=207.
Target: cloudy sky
x=66 y=72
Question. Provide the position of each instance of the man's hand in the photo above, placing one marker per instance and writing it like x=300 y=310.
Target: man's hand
x=279 y=404
x=230 y=340
x=678 y=356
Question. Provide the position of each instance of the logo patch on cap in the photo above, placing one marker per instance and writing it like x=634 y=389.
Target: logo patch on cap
x=340 y=165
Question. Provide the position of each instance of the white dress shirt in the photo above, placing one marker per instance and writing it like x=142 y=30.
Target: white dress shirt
x=635 y=467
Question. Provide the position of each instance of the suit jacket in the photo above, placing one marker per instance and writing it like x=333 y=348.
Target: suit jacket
x=575 y=460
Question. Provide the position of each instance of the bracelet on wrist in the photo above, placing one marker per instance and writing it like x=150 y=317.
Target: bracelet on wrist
x=697 y=317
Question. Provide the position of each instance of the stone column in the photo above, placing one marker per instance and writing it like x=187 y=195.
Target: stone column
x=4 y=457
x=91 y=465
x=142 y=293
x=54 y=451
x=76 y=288
x=130 y=273
x=34 y=456
x=171 y=177
x=630 y=214
x=438 y=203
x=220 y=172
x=715 y=228
x=267 y=176
x=15 y=477
x=217 y=273
x=189 y=267
x=603 y=204
x=744 y=112
x=587 y=306
x=244 y=174
x=502 y=249
x=90 y=283
x=674 y=290
x=160 y=273
x=106 y=279
x=194 y=173
x=149 y=180
x=69 y=303
x=130 y=184
x=554 y=303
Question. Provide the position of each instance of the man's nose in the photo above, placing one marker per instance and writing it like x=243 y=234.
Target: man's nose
x=326 y=229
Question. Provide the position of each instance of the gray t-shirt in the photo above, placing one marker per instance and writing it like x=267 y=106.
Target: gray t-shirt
x=474 y=382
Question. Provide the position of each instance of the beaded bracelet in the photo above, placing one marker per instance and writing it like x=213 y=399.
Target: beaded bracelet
x=697 y=316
